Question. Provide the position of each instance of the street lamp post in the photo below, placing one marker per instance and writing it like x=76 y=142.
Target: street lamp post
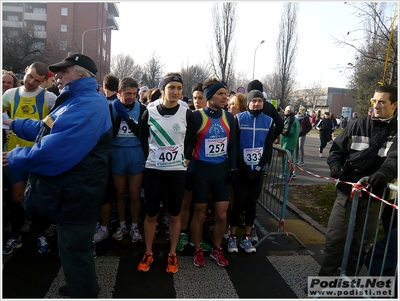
x=83 y=34
x=254 y=63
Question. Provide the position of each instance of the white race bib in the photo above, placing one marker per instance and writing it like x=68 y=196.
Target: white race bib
x=252 y=155
x=216 y=147
x=124 y=130
x=168 y=155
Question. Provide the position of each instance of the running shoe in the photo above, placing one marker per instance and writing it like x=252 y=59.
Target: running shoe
x=198 y=258
x=219 y=257
x=135 y=233
x=232 y=245
x=253 y=234
x=144 y=265
x=206 y=247
x=11 y=244
x=182 y=242
x=27 y=226
x=172 y=265
x=301 y=164
x=321 y=155
x=119 y=234
x=51 y=230
x=100 y=235
x=227 y=232
x=247 y=245
x=43 y=244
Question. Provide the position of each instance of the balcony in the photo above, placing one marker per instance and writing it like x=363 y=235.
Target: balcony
x=12 y=24
x=111 y=20
x=35 y=17
x=9 y=8
x=40 y=34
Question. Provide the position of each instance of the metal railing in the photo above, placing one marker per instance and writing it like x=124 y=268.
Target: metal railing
x=274 y=194
x=381 y=258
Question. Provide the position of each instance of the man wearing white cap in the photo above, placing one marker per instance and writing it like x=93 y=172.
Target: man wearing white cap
x=142 y=92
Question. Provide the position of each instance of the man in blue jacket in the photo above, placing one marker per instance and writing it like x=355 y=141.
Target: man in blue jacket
x=68 y=166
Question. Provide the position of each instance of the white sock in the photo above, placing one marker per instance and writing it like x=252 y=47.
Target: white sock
x=134 y=225
x=103 y=228
x=122 y=224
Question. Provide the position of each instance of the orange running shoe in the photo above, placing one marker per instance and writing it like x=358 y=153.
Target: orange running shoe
x=144 y=265
x=172 y=266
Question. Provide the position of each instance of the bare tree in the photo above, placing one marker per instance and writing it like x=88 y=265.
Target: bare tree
x=376 y=47
x=379 y=33
x=222 y=58
x=123 y=65
x=21 y=47
x=239 y=79
x=272 y=86
x=313 y=93
x=286 y=46
x=55 y=50
x=192 y=75
x=153 y=71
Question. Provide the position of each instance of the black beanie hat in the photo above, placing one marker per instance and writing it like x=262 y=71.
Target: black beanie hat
x=253 y=94
x=255 y=85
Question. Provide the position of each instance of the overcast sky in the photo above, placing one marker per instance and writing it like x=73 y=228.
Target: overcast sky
x=180 y=33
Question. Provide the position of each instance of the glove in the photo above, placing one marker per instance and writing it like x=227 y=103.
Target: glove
x=121 y=110
x=378 y=180
x=336 y=171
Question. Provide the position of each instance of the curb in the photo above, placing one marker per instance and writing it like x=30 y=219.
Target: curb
x=305 y=217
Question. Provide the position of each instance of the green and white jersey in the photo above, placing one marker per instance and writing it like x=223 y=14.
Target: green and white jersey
x=166 y=140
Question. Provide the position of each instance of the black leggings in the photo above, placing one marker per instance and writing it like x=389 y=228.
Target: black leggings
x=245 y=196
x=160 y=183
x=324 y=139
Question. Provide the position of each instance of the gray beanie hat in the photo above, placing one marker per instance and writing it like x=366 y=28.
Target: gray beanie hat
x=253 y=94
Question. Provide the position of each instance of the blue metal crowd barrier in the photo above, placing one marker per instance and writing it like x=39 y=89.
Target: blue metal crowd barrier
x=381 y=259
x=274 y=194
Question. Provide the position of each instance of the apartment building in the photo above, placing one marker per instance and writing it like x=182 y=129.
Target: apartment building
x=63 y=27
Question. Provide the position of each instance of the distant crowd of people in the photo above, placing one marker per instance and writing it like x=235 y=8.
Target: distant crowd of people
x=73 y=149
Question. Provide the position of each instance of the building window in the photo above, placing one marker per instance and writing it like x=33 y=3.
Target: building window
x=104 y=37
x=39 y=10
x=64 y=11
x=105 y=6
x=104 y=54
x=63 y=45
x=63 y=28
x=98 y=49
x=12 y=18
x=39 y=27
x=39 y=46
